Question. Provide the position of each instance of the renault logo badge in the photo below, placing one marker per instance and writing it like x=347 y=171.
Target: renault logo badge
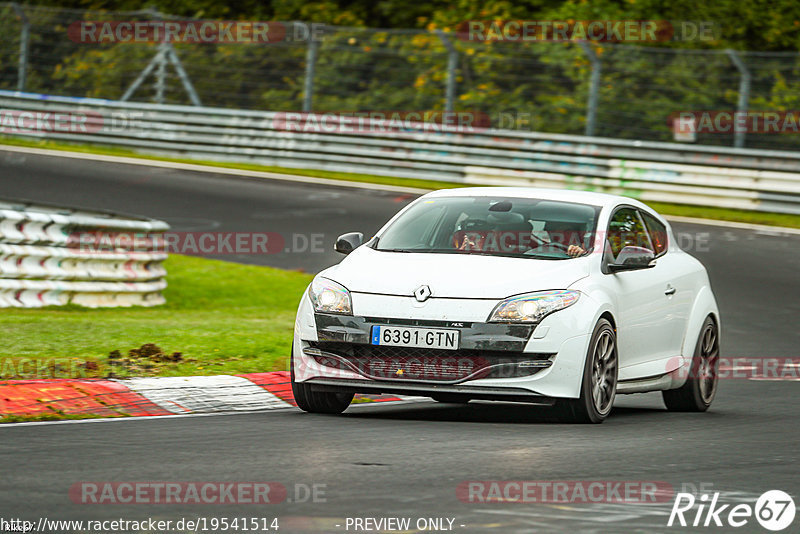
x=422 y=293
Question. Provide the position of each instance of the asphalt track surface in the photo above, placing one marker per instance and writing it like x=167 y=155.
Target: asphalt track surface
x=407 y=460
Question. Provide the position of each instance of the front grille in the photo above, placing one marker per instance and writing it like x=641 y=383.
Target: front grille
x=429 y=365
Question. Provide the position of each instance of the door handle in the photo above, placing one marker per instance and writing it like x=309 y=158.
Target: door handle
x=670 y=290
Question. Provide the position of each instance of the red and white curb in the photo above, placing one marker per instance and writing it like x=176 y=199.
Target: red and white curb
x=154 y=396
x=205 y=394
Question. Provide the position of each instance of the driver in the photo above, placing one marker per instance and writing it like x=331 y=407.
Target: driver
x=566 y=233
x=572 y=250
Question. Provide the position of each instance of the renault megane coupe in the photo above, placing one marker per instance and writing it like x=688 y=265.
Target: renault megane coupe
x=553 y=297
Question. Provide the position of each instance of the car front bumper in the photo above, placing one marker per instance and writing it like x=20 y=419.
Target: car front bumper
x=515 y=362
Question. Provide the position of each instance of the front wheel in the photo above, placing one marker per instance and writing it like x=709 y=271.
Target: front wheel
x=317 y=401
x=700 y=388
x=599 y=386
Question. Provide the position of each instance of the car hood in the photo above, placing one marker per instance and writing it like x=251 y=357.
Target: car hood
x=367 y=270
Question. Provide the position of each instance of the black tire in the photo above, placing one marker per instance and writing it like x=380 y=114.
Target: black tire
x=599 y=385
x=450 y=398
x=317 y=401
x=697 y=394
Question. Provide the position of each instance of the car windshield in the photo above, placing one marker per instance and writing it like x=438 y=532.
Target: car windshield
x=516 y=227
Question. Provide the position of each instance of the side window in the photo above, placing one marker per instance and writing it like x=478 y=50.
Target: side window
x=626 y=229
x=658 y=233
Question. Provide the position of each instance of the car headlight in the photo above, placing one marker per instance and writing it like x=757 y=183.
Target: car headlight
x=330 y=297
x=532 y=307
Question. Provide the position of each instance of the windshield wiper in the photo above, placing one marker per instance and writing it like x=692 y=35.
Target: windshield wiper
x=470 y=253
x=545 y=257
x=416 y=250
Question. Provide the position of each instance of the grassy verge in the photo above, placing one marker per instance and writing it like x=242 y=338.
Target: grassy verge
x=221 y=317
x=55 y=416
x=771 y=219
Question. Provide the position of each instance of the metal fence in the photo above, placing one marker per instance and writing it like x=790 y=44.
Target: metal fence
x=51 y=256
x=716 y=176
x=578 y=88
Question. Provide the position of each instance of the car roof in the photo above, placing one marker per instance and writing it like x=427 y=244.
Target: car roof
x=565 y=195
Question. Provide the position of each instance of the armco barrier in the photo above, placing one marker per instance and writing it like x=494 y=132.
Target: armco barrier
x=670 y=172
x=44 y=263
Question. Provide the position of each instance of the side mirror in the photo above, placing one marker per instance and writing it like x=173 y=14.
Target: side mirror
x=632 y=258
x=347 y=243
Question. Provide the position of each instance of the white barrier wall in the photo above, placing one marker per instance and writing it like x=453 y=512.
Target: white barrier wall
x=53 y=257
x=669 y=172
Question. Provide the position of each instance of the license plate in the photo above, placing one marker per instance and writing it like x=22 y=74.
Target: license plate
x=403 y=336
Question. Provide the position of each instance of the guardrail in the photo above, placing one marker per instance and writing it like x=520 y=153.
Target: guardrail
x=56 y=256
x=670 y=172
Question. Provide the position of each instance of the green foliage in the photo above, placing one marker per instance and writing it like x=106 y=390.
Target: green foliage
x=540 y=86
x=752 y=25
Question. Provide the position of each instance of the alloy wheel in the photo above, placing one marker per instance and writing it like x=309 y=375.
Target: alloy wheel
x=604 y=375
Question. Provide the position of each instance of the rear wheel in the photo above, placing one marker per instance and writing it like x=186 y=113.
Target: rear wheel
x=697 y=394
x=317 y=401
x=599 y=386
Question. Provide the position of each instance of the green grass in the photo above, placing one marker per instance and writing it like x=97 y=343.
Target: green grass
x=55 y=416
x=725 y=214
x=223 y=317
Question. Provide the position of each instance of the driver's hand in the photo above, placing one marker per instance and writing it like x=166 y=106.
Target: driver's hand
x=467 y=244
x=575 y=250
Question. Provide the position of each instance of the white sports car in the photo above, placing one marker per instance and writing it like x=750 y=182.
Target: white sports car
x=552 y=297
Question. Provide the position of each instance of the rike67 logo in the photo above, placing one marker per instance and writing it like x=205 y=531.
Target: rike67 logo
x=774 y=510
